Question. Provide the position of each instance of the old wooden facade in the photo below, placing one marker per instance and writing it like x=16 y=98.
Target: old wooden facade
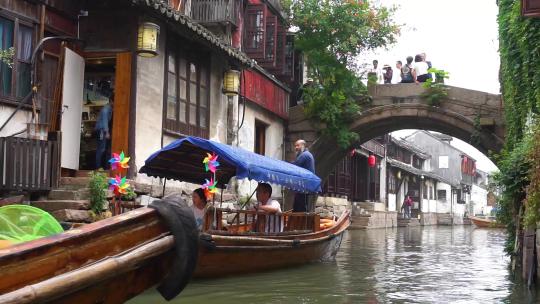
x=156 y=100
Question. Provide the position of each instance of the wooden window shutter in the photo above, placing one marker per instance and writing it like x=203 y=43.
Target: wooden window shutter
x=530 y=8
x=270 y=40
x=280 y=49
x=254 y=38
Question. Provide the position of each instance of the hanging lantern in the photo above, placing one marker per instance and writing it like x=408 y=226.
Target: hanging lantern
x=231 y=83
x=371 y=161
x=147 y=39
x=398 y=174
x=353 y=152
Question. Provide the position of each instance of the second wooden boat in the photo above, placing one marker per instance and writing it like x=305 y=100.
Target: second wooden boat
x=484 y=222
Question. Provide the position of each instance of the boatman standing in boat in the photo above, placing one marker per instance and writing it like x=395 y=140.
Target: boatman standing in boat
x=304 y=159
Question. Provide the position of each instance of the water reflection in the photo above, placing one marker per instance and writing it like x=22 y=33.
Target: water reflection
x=406 y=265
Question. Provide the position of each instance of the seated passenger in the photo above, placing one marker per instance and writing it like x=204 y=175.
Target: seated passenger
x=198 y=207
x=268 y=205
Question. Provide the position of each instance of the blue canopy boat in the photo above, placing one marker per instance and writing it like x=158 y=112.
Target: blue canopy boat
x=112 y=260
x=182 y=160
x=232 y=237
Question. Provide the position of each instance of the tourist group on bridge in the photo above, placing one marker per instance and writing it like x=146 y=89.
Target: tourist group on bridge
x=415 y=70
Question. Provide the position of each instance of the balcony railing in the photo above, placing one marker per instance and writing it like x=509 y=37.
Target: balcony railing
x=29 y=164
x=215 y=11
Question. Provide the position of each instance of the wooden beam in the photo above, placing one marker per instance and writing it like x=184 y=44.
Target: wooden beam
x=122 y=103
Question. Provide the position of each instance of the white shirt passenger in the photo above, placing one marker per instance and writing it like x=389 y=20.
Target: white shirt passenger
x=421 y=68
x=271 y=219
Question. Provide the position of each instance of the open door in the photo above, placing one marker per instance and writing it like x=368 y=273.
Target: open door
x=122 y=94
x=72 y=96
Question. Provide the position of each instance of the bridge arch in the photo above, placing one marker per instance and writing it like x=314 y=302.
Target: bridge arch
x=400 y=106
x=381 y=120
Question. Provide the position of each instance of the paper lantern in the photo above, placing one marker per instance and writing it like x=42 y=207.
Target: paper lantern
x=372 y=161
x=147 y=39
x=231 y=83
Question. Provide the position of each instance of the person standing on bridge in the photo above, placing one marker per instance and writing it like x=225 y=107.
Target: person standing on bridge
x=420 y=69
x=304 y=159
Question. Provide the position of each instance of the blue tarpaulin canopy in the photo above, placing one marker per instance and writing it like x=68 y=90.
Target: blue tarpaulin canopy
x=183 y=160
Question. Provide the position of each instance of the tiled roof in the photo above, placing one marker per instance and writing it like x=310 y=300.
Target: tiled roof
x=406 y=167
x=161 y=7
x=411 y=147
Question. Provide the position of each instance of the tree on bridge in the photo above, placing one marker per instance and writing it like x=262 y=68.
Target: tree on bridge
x=332 y=34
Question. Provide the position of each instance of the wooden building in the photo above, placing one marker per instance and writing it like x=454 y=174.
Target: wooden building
x=175 y=91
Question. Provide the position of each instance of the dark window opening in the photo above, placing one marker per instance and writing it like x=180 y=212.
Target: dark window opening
x=260 y=137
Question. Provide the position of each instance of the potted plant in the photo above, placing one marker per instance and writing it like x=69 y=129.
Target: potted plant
x=128 y=199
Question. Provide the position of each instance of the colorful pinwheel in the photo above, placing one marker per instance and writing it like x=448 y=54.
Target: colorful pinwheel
x=209 y=188
x=119 y=161
x=118 y=185
x=210 y=162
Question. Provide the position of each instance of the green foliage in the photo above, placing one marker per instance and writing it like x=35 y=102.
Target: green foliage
x=435 y=89
x=532 y=201
x=130 y=195
x=371 y=79
x=6 y=56
x=519 y=48
x=332 y=34
x=512 y=179
x=98 y=185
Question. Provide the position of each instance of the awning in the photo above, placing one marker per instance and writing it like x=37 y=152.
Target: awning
x=183 y=160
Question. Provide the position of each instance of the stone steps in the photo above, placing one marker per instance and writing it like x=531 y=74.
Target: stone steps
x=54 y=205
x=413 y=222
x=69 y=194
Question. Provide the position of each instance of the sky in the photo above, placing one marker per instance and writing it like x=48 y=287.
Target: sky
x=458 y=36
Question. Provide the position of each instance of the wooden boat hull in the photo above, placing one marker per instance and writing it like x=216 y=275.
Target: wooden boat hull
x=229 y=255
x=485 y=223
x=89 y=264
x=113 y=260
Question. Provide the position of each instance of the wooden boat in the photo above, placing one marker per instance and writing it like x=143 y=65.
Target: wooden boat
x=108 y=261
x=115 y=259
x=225 y=250
x=485 y=222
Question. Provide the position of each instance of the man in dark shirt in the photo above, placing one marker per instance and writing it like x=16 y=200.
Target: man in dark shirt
x=304 y=159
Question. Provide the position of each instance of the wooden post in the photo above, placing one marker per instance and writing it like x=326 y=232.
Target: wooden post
x=316 y=223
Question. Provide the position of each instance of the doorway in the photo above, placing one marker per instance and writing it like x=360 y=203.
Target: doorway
x=105 y=108
x=96 y=128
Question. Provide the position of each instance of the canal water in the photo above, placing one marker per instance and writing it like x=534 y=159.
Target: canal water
x=458 y=264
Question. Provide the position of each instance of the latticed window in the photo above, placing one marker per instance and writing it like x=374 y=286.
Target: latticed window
x=188 y=95
x=392 y=183
x=19 y=35
x=271 y=37
x=255 y=27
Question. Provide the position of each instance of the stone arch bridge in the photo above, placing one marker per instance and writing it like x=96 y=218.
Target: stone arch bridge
x=400 y=106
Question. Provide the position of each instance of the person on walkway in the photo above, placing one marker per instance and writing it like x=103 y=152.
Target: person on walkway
x=376 y=72
x=268 y=205
x=304 y=159
x=103 y=134
x=407 y=71
x=420 y=69
x=388 y=73
x=428 y=64
x=198 y=207
x=406 y=207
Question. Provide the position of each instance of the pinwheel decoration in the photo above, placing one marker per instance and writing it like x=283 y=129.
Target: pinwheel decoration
x=118 y=185
x=119 y=161
x=209 y=188
x=210 y=162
